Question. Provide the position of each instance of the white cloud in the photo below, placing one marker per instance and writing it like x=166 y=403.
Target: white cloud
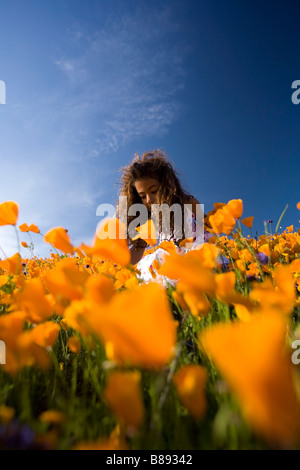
x=126 y=76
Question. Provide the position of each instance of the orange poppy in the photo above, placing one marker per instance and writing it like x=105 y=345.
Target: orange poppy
x=235 y=207
x=254 y=360
x=123 y=395
x=190 y=381
x=114 y=247
x=248 y=221
x=59 y=238
x=147 y=232
x=127 y=325
x=9 y=212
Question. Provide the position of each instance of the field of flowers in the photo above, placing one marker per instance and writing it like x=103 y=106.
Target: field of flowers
x=96 y=358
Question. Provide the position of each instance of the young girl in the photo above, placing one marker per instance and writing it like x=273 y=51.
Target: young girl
x=151 y=179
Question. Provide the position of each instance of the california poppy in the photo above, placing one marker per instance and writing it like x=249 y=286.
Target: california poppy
x=9 y=212
x=253 y=358
x=59 y=238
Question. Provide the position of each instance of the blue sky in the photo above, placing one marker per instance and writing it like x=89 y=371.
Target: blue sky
x=90 y=83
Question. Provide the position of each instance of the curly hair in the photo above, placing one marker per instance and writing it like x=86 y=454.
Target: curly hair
x=152 y=164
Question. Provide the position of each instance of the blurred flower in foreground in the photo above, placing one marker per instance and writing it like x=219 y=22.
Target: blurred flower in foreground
x=115 y=441
x=137 y=327
x=254 y=360
x=109 y=243
x=124 y=397
x=190 y=381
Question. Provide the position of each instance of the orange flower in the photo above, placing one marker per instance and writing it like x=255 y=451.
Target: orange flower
x=24 y=228
x=208 y=255
x=65 y=282
x=116 y=441
x=99 y=289
x=33 y=300
x=254 y=360
x=225 y=290
x=31 y=228
x=24 y=244
x=197 y=302
x=298 y=206
x=222 y=221
x=189 y=269
x=248 y=221
x=114 y=247
x=7 y=414
x=235 y=207
x=59 y=238
x=9 y=212
x=219 y=205
x=281 y=296
x=74 y=344
x=147 y=232
x=52 y=417
x=124 y=397
x=190 y=383
x=128 y=325
x=44 y=334
x=12 y=265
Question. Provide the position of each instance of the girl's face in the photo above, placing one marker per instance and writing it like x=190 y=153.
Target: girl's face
x=147 y=189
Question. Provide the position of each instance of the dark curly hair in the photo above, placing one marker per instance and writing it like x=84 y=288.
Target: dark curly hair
x=152 y=164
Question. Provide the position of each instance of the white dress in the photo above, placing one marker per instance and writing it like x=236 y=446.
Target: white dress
x=146 y=266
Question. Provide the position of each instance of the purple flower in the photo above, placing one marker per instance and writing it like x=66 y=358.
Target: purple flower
x=262 y=258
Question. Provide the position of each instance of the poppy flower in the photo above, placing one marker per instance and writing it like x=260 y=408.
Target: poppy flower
x=9 y=212
x=254 y=360
x=12 y=264
x=147 y=232
x=190 y=271
x=128 y=325
x=248 y=221
x=222 y=221
x=190 y=381
x=124 y=396
x=109 y=243
x=235 y=207
x=59 y=238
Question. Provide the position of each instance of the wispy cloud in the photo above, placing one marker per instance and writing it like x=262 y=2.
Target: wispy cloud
x=126 y=76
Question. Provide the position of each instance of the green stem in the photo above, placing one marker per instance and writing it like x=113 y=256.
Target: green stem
x=280 y=218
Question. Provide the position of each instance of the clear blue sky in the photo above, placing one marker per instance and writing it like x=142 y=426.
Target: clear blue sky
x=89 y=83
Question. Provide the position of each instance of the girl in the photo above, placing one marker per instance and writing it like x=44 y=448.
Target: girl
x=151 y=179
